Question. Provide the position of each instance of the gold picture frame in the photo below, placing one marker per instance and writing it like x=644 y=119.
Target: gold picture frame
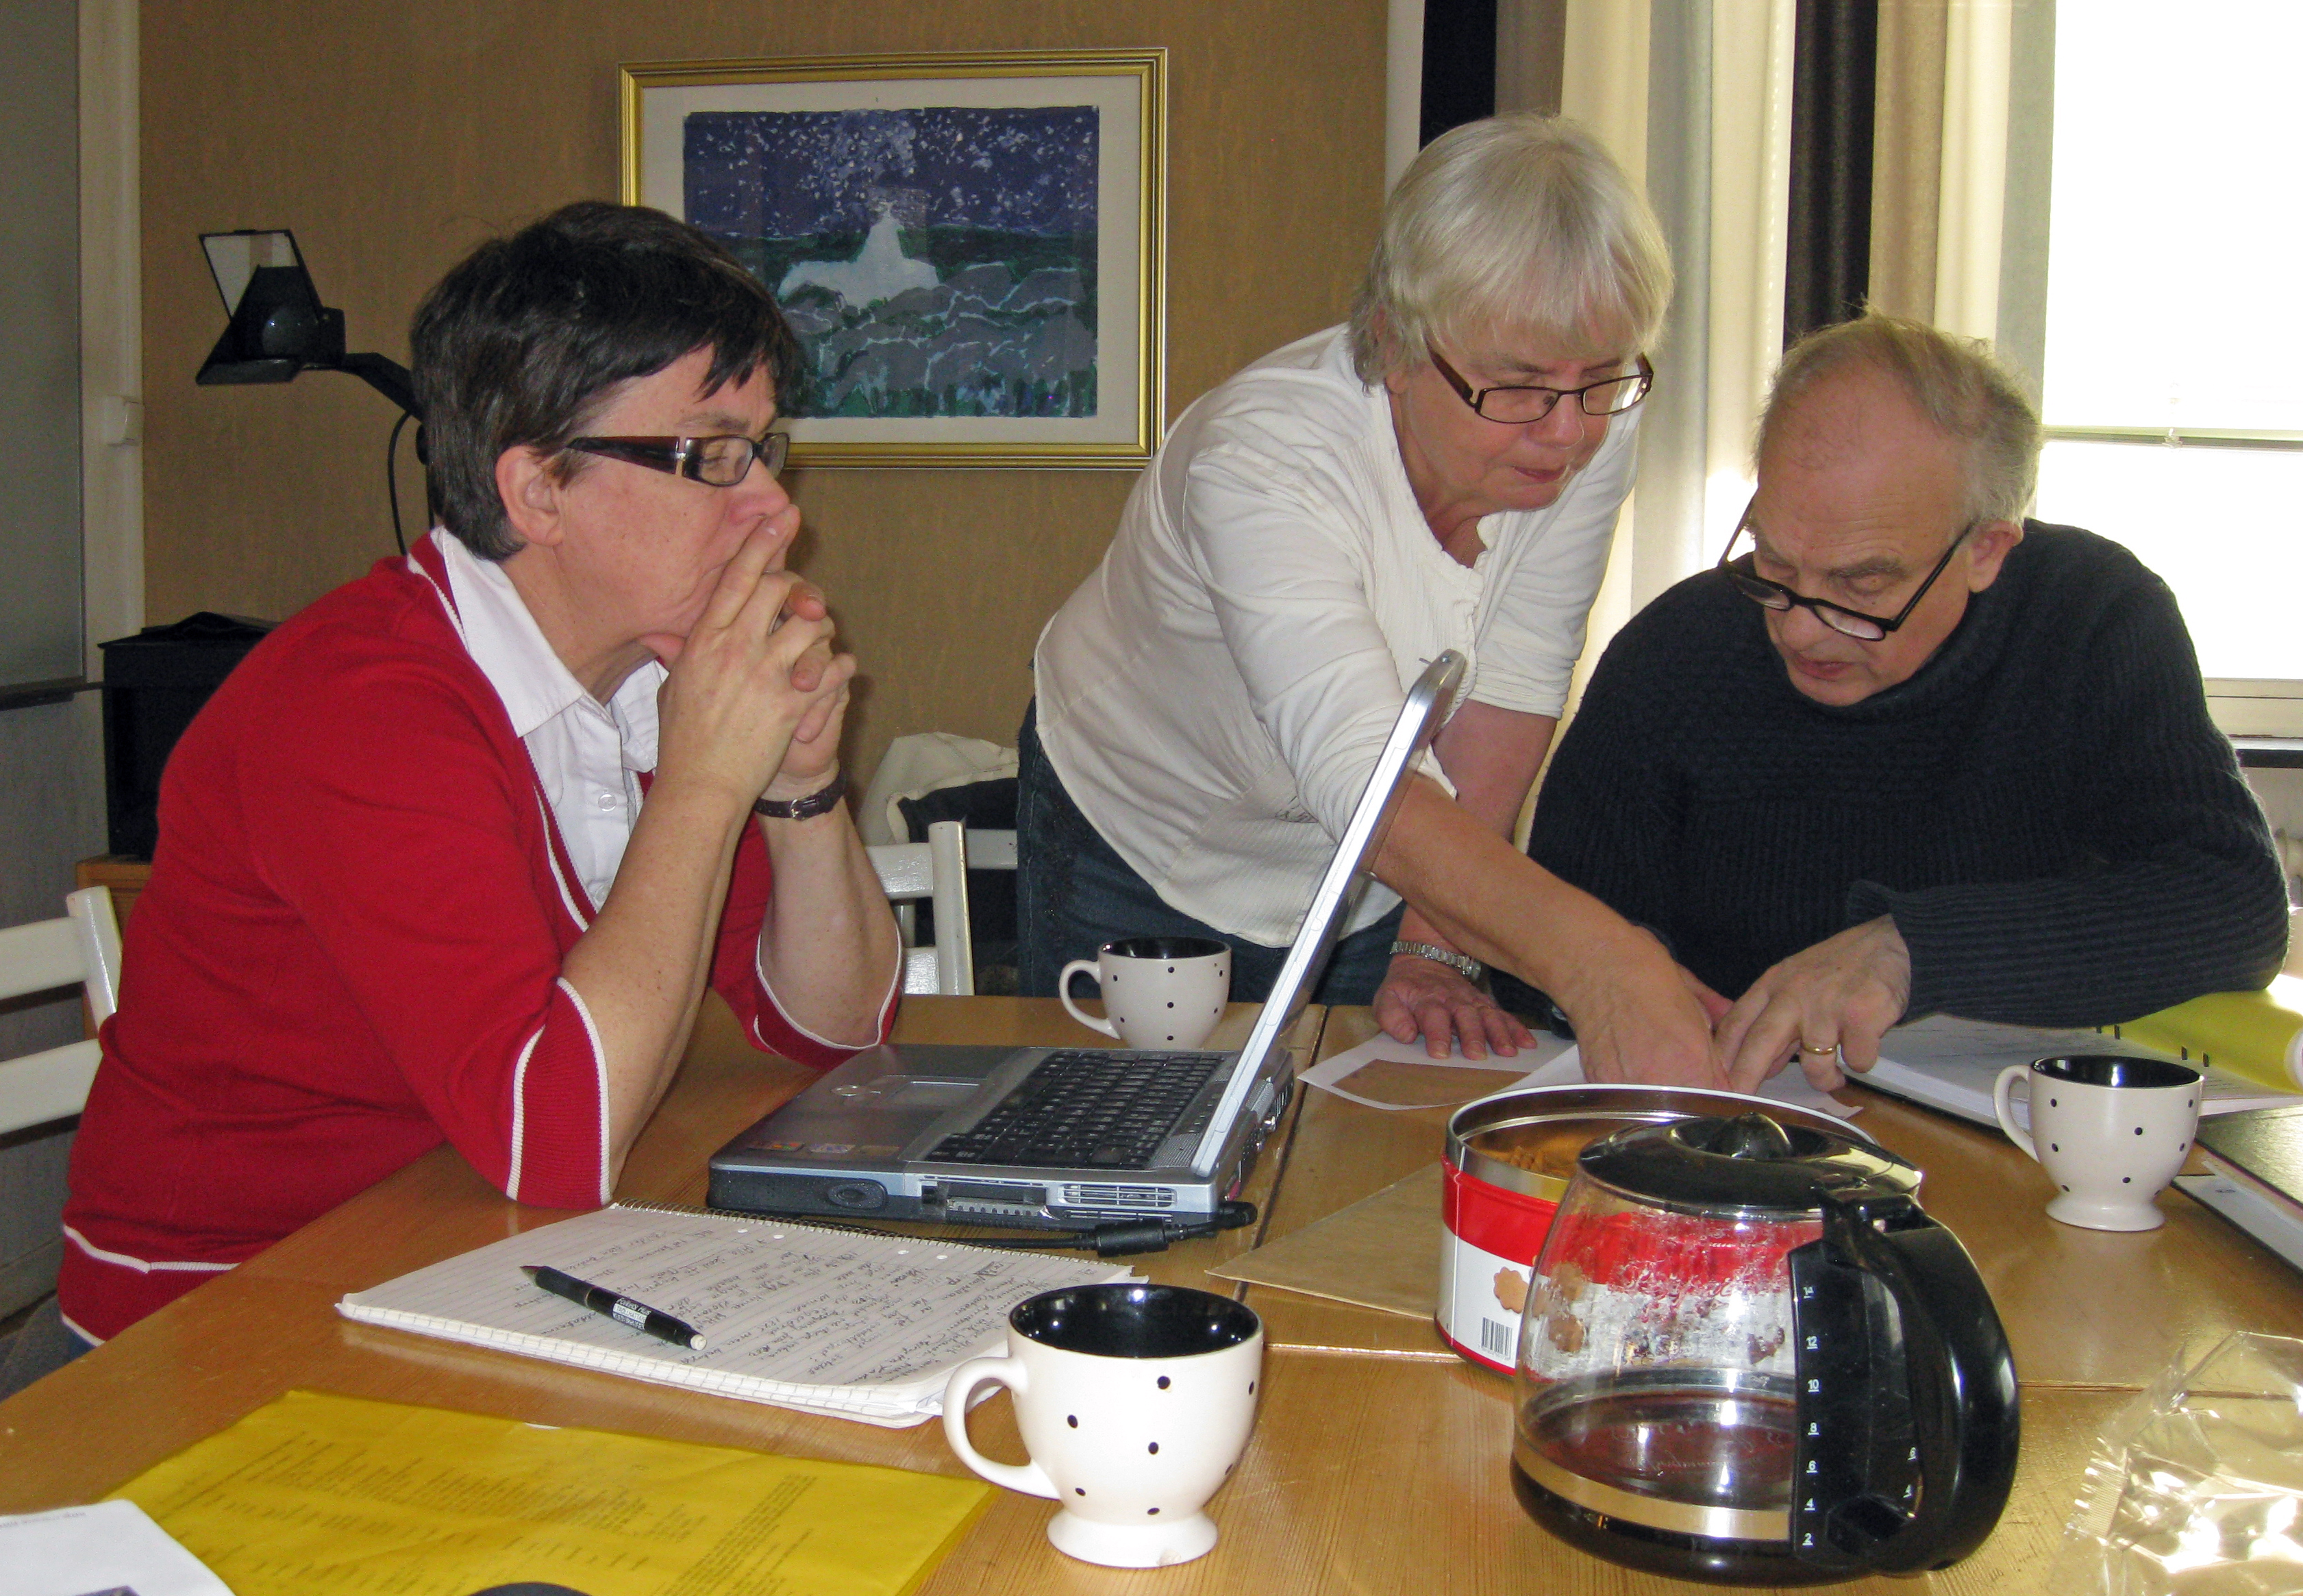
x=973 y=161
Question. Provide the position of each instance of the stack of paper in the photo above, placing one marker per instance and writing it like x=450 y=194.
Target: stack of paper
x=318 y=1494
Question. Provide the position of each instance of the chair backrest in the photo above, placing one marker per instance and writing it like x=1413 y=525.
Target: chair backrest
x=937 y=870
x=989 y=850
x=81 y=949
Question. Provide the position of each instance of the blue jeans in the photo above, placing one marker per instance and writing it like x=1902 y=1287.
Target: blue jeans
x=45 y=1345
x=1074 y=893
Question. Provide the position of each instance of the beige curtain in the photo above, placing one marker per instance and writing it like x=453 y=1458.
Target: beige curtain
x=1402 y=87
x=1959 y=169
x=1694 y=98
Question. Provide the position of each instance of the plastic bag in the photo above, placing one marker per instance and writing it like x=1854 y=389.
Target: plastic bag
x=2196 y=1489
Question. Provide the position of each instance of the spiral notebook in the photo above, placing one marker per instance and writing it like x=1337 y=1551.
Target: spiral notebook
x=828 y=1321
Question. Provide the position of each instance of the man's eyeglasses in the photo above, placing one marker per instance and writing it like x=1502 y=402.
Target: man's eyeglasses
x=720 y=462
x=1854 y=623
x=1517 y=406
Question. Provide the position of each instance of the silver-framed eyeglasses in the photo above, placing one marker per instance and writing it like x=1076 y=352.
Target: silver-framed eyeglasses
x=1853 y=623
x=1515 y=406
x=722 y=461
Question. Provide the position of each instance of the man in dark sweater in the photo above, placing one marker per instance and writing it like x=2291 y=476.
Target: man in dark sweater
x=1910 y=754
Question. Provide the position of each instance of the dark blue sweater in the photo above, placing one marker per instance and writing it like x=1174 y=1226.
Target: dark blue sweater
x=2059 y=831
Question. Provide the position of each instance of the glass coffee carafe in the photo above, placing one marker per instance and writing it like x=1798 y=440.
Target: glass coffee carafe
x=1748 y=1357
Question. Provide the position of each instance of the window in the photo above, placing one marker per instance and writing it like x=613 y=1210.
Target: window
x=2174 y=360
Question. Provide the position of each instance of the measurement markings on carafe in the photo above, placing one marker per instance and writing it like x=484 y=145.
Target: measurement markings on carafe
x=1855 y=1459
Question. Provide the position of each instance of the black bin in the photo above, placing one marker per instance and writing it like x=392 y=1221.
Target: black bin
x=154 y=683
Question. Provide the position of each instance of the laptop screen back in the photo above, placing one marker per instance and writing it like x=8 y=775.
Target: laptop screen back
x=1346 y=876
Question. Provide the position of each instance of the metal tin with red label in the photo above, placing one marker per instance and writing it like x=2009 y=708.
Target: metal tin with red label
x=1509 y=1159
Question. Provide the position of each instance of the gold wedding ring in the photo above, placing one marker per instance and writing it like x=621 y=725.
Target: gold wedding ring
x=1832 y=1048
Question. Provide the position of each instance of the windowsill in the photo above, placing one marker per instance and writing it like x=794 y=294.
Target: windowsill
x=23 y=694
x=2257 y=709
x=2269 y=752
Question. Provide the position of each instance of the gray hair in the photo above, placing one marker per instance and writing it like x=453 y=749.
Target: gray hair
x=1521 y=223
x=1957 y=383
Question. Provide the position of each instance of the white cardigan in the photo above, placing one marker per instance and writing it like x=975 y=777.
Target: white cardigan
x=1215 y=695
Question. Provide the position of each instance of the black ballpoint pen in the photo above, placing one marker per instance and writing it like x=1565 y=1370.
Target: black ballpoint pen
x=623 y=1310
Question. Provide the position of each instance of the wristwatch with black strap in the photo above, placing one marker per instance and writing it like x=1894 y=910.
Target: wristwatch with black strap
x=822 y=801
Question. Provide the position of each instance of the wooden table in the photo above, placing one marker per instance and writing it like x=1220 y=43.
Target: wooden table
x=270 y=1325
x=1377 y=1464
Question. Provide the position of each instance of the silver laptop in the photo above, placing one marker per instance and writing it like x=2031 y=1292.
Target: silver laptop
x=899 y=1132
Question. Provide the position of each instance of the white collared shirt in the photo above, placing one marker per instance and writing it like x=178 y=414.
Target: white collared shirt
x=588 y=755
x=1215 y=695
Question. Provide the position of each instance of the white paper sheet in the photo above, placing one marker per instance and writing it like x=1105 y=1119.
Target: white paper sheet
x=1551 y=1062
x=85 y=1552
x=2268 y=1222
x=1330 y=1074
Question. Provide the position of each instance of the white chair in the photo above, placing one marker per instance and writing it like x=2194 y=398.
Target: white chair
x=81 y=949
x=937 y=870
x=988 y=849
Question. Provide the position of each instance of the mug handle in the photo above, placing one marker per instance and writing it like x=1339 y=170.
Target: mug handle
x=1030 y=1479
x=2003 y=1103
x=1064 y=991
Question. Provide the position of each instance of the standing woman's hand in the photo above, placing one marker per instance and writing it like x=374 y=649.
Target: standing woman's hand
x=1421 y=997
x=1638 y=1016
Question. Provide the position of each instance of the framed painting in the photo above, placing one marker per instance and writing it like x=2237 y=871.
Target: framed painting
x=970 y=247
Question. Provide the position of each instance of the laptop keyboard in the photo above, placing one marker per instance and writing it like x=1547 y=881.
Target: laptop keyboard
x=1086 y=1109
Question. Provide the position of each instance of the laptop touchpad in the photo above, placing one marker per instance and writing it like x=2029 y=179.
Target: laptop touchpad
x=924 y=1092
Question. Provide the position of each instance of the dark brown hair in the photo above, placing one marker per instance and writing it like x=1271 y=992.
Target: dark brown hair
x=529 y=336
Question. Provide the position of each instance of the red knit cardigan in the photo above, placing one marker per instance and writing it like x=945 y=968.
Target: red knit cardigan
x=350 y=951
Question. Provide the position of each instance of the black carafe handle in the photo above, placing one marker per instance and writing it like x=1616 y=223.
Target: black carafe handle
x=1868 y=1495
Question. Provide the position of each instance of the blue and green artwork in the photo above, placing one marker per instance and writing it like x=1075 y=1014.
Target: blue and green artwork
x=933 y=262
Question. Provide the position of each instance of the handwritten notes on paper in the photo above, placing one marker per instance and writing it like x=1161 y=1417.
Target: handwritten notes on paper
x=859 y=1326
x=317 y=1492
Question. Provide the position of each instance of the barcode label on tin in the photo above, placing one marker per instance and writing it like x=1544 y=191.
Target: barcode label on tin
x=1497 y=1340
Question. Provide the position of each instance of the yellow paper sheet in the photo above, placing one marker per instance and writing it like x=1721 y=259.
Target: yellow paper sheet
x=315 y=1492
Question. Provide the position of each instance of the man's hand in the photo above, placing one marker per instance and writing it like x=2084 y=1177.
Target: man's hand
x=1421 y=997
x=1831 y=1000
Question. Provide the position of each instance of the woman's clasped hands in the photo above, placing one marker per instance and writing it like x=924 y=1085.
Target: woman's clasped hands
x=756 y=694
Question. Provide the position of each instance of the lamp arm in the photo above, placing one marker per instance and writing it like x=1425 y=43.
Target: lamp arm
x=387 y=377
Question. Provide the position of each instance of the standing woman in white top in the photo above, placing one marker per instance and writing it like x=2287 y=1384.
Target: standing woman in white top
x=1444 y=472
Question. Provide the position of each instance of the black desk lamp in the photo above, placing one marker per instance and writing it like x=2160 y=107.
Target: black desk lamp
x=279 y=328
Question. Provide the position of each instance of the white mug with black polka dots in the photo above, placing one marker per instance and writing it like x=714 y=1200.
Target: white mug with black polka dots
x=1159 y=992
x=2111 y=1132
x=1135 y=1403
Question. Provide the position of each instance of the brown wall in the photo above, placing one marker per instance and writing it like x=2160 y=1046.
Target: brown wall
x=392 y=135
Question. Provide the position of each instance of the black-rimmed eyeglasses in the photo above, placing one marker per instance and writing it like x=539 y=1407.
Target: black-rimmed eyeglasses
x=722 y=460
x=1853 y=623
x=1517 y=405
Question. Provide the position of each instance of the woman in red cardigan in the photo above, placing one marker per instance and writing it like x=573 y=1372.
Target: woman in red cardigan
x=407 y=888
